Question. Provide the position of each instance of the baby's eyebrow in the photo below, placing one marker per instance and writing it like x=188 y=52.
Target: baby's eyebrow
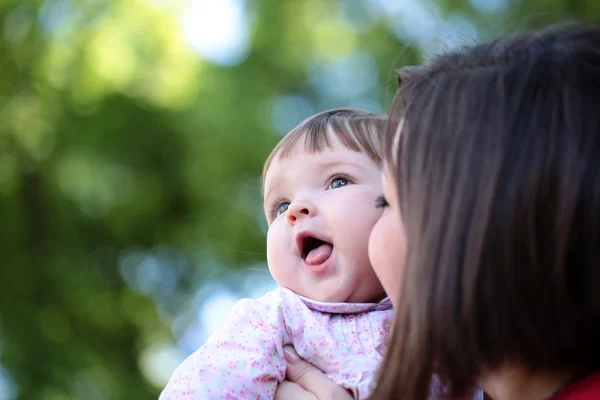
x=266 y=195
x=271 y=184
x=332 y=164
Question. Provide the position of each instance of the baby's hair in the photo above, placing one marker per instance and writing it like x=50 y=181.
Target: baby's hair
x=357 y=129
x=498 y=181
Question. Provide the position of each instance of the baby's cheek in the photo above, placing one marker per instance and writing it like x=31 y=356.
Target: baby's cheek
x=275 y=251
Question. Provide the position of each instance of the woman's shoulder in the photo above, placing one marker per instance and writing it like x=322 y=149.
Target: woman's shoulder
x=585 y=388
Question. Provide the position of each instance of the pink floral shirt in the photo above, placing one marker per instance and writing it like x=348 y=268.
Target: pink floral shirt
x=243 y=358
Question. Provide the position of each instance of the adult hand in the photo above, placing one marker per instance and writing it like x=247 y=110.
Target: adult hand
x=306 y=382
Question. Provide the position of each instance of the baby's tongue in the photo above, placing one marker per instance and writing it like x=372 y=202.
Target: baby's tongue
x=319 y=254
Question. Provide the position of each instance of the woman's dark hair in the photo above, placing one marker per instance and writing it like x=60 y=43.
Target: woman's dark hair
x=497 y=171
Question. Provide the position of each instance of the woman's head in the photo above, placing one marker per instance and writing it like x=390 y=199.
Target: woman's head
x=496 y=173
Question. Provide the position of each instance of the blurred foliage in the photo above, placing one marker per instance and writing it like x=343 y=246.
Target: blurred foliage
x=129 y=164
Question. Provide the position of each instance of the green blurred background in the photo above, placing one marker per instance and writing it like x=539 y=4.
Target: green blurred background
x=132 y=137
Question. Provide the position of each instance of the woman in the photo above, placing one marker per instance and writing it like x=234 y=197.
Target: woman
x=491 y=240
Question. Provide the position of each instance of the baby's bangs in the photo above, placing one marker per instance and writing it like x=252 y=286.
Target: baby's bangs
x=354 y=134
x=360 y=135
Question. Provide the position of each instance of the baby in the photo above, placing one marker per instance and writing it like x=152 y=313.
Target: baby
x=320 y=187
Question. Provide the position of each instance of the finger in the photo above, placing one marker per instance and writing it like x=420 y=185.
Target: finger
x=287 y=390
x=312 y=379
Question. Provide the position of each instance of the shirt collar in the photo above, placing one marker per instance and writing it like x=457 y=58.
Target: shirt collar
x=346 y=308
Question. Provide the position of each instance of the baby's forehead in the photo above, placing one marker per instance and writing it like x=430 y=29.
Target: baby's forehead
x=303 y=164
x=301 y=157
x=299 y=148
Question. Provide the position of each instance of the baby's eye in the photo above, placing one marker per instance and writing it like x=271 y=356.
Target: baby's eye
x=282 y=208
x=338 y=182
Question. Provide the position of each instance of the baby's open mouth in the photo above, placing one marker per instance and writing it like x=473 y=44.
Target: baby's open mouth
x=315 y=251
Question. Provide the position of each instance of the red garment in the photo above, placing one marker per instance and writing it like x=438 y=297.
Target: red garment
x=586 y=388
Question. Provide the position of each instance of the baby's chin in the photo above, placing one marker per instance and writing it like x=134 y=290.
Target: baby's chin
x=327 y=297
x=366 y=298
x=344 y=297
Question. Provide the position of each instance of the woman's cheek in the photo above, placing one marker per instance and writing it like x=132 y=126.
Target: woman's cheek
x=378 y=253
x=387 y=246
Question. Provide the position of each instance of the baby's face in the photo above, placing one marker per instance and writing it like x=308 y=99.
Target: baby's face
x=321 y=209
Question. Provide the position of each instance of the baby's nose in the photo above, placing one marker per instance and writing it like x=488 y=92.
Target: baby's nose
x=299 y=209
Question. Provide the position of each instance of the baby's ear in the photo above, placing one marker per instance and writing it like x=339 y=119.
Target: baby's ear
x=406 y=73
